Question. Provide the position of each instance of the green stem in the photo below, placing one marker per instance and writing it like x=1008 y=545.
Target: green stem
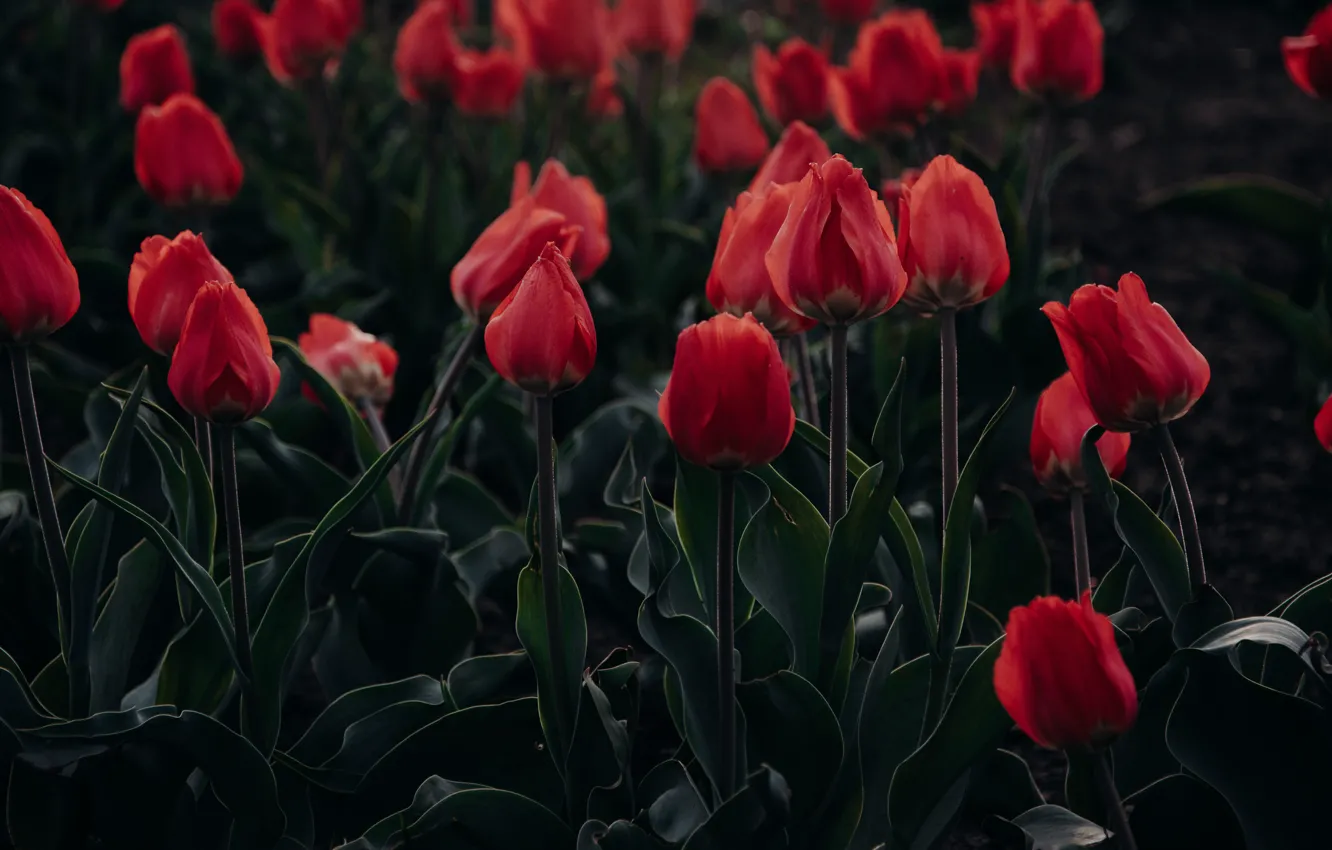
x=839 y=427
x=550 y=569
x=725 y=626
x=1081 y=556
x=240 y=611
x=1114 y=806
x=1188 y=520
x=948 y=406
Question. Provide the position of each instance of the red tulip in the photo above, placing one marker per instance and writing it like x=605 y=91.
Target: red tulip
x=104 y=5
x=1058 y=51
x=426 y=56
x=848 y=11
x=1133 y=364
x=962 y=67
x=996 y=30
x=561 y=38
x=163 y=280
x=504 y=252
x=183 y=155
x=727 y=404
x=1323 y=425
x=603 y=100
x=356 y=363
x=541 y=338
x=460 y=9
x=1062 y=418
x=894 y=190
x=488 y=83
x=894 y=76
x=1309 y=57
x=302 y=36
x=1061 y=677
x=793 y=84
x=834 y=259
x=222 y=369
x=739 y=282
x=237 y=28
x=727 y=132
x=655 y=26
x=578 y=201
x=39 y=289
x=154 y=66
x=799 y=147
x=949 y=237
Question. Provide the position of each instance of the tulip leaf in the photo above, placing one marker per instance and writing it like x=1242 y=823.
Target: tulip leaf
x=1310 y=608
x=754 y=819
x=449 y=814
x=663 y=553
x=1010 y=564
x=620 y=835
x=1253 y=202
x=532 y=633
x=675 y=809
x=1181 y=811
x=313 y=485
x=485 y=678
x=118 y=627
x=1206 y=610
x=432 y=475
x=696 y=523
x=773 y=707
x=327 y=734
x=1050 y=827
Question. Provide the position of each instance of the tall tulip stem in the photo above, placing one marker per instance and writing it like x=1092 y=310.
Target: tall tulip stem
x=374 y=419
x=550 y=564
x=240 y=612
x=839 y=427
x=1114 y=806
x=1081 y=556
x=1188 y=520
x=809 y=394
x=948 y=405
x=725 y=624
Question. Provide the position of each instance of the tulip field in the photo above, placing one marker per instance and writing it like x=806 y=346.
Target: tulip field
x=649 y=424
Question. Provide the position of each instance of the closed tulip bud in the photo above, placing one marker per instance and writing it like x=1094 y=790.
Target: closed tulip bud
x=504 y=252
x=183 y=155
x=1323 y=425
x=793 y=84
x=39 y=289
x=727 y=132
x=163 y=280
x=739 y=282
x=222 y=369
x=154 y=66
x=237 y=28
x=1058 y=50
x=426 y=56
x=655 y=26
x=894 y=76
x=578 y=201
x=892 y=191
x=962 y=68
x=541 y=338
x=949 y=238
x=488 y=83
x=356 y=363
x=727 y=404
x=560 y=38
x=603 y=100
x=834 y=259
x=1309 y=57
x=1060 y=675
x=1062 y=419
x=304 y=35
x=1133 y=364
x=848 y=11
x=996 y=30
x=799 y=147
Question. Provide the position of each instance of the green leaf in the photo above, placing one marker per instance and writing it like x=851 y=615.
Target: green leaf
x=1252 y=202
x=675 y=809
x=480 y=818
x=1206 y=610
x=532 y=633
x=481 y=678
x=118 y=627
x=1055 y=828
x=773 y=708
x=1010 y=566
x=1180 y=811
x=1003 y=786
x=696 y=523
x=754 y=819
x=620 y=835
x=436 y=466
x=327 y=734
x=314 y=485
x=663 y=554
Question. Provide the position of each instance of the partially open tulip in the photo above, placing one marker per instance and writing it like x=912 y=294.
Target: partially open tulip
x=154 y=66
x=222 y=369
x=792 y=85
x=799 y=147
x=304 y=35
x=727 y=132
x=1323 y=425
x=848 y=11
x=560 y=38
x=426 y=55
x=1061 y=677
x=504 y=252
x=237 y=28
x=1058 y=50
x=163 y=280
x=487 y=83
x=962 y=68
x=183 y=155
x=356 y=363
x=603 y=98
x=739 y=282
x=655 y=26
x=1062 y=418
x=39 y=289
x=727 y=404
x=834 y=258
x=578 y=201
x=949 y=237
x=894 y=76
x=541 y=338
x=996 y=30
x=1133 y=364
x=1309 y=56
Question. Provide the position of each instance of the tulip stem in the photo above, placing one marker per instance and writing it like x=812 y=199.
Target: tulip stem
x=948 y=406
x=563 y=713
x=374 y=417
x=809 y=394
x=1038 y=162
x=725 y=624
x=1114 y=806
x=1188 y=520
x=1081 y=556
x=240 y=611
x=839 y=427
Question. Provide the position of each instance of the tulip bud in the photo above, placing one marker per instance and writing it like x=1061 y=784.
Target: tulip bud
x=237 y=28
x=739 y=282
x=1058 y=50
x=1060 y=675
x=799 y=147
x=39 y=289
x=962 y=69
x=655 y=26
x=793 y=84
x=183 y=155
x=1309 y=57
x=996 y=30
x=894 y=190
x=487 y=84
x=895 y=74
x=541 y=338
x=727 y=404
x=425 y=58
x=848 y=11
x=1062 y=419
x=1134 y=365
x=727 y=132
x=561 y=38
x=1323 y=425
x=949 y=238
x=163 y=280
x=579 y=202
x=304 y=35
x=603 y=100
x=103 y=5
x=834 y=259
x=356 y=363
x=154 y=66
x=222 y=369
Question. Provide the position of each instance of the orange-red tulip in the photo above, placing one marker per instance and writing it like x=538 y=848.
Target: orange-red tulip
x=1133 y=364
x=727 y=132
x=727 y=404
x=962 y=68
x=578 y=201
x=356 y=363
x=541 y=338
x=504 y=252
x=1061 y=677
x=996 y=30
x=894 y=76
x=834 y=259
x=1323 y=425
x=1062 y=418
x=792 y=85
x=302 y=36
x=799 y=147
x=183 y=155
x=39 y=289
x=848 y=11
x=894 y=189
x=1309 y=56
x=425 y=58
x=237 y=28
x=154 y=66
x=603 y=100
x=739 y=282
x=655 y=26
x=560 y=38
x=488 y=82
x=1058 y=51
x=949 y=238
x=163 y=280
x=222 y=369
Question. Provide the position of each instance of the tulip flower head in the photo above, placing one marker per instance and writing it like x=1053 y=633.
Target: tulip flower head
x=848 y=11
x=655 y=26
x=39 y=289
x=1132 y=363
x=183 y=155
x=1323 y=425
x=996 y=30
x=222 y=369
x=603 y=98
x=792 y=84
x=426 y=55
x=487 y=83
x=893 y=190
x=238 y=28
x=1061 y=677
x=356 y=363
x=154 y=66
x=1058 y=51
x=1062 y=419
x=104 y=5
x=561 y=38
x=541 y=338
x=962 y=69
x=799 y=147
x=727 y=133
x=727 y=404
x=302 y=37
x=895 y=75
x=1309 y=56
x=163 y=280
x=578 y=201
